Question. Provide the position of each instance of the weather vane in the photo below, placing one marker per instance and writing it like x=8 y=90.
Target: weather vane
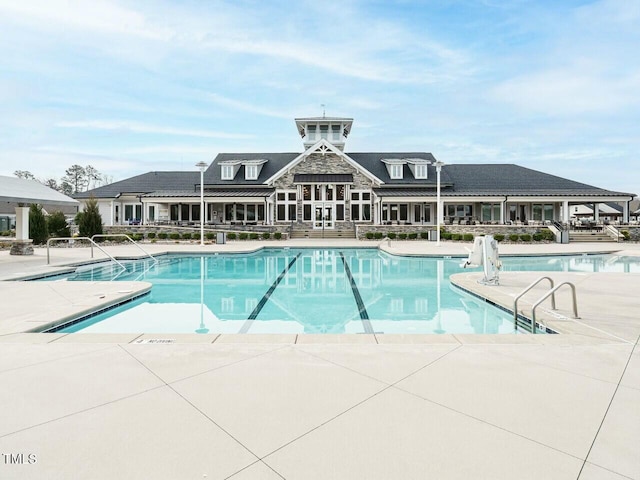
x=323 y=112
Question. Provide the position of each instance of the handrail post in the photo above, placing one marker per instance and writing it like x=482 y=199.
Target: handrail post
x=515 y=302
x=552 y=292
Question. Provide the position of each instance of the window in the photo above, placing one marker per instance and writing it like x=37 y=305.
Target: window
x=227 y=172
x=335 y=133
x=420 y=171
x=184 y=212
x=250 y=172
x=542 y=211
x=395 y=171
x=286 y=210
x=311 y=131
x=490 y=212
x=324 y=129
x=195 y=213
x=361 y=206
x=459 y=210
x=173 y=212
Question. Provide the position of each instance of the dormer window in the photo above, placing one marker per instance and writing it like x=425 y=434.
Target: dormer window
x=251 y=172
x=420 y=171
x=395 y=171
x=227 y=172
x=311 y=130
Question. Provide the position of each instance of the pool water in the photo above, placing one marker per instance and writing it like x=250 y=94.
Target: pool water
x=311 y=291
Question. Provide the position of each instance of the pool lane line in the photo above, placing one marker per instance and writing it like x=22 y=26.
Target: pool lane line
x=362 y=310
x=265 y=298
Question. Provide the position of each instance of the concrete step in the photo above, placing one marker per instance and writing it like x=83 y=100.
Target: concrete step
x=323 y=234
x=589 y=237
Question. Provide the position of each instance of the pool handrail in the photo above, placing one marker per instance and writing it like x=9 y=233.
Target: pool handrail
x=104 y=235
x=56 y=239
x=552 y=292
x=515 y=302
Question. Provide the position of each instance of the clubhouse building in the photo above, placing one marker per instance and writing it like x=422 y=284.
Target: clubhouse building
x=325 y=188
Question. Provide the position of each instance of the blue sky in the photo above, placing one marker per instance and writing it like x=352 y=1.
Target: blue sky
x=130 y=87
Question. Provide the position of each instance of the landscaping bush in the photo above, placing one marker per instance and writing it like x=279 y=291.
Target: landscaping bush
x=253 y=236
x=424 y=235
x=499 y=237
x=210 y=235
x=537 y=237
x=162 y=236
x=391 y=235
x=413 y=236
x=625 y=234
x=277 y=235
x=37 y=225
x=89 y=220
x=445 y=235
x=514 y=237
x=136 y=237
x=402 y=236
x=151 y=235
x=243 y=236
x=231 y=236
x=369 y=235
x=456 y=236
x=174 y=236
x=195 y=236
x=525 y=237
x=186 y=236
x=266 y=235
x=467 y=237
x=377 y=235
x=547 y=235
x=57 y=225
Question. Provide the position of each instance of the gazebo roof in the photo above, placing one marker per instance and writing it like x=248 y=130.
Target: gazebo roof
x=20 y=190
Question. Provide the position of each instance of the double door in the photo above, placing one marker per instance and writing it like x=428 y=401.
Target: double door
x=324 y=216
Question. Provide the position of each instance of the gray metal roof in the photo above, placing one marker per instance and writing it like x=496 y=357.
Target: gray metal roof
x=372 y=161
x=146 y=183
x=323 y=178
x=276 y=161
x=20 y=190
x=247 y=192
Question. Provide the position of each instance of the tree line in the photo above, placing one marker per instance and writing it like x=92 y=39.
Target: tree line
x=42 y=227
x=76 y=179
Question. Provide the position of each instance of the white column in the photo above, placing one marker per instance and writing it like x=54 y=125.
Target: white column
x=22 y=223
x=565 y=212
x=596 y=212
x=503 y=208
x=625 y=212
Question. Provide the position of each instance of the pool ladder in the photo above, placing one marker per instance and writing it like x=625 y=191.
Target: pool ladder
x=531 y=325
x=94 y=244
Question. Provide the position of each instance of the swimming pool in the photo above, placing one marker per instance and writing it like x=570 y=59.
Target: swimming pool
x=311 y=291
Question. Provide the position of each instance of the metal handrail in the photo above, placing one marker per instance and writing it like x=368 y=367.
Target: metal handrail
x=104 y=235
x=55 y=239
x=515 y=302
x=552 y=292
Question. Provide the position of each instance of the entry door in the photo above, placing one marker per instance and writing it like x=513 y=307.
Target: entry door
x=323 y=217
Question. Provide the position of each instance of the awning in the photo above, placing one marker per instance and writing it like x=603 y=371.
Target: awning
x=20 y=190
x=323 y=178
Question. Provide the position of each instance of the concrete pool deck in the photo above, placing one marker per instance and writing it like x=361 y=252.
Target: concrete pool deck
x=346 y=406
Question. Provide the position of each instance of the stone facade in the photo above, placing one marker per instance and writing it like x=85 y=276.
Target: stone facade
x=329 y=163
x=476 y=230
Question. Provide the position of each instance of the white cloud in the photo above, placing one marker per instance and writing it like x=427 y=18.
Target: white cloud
x=137 y=127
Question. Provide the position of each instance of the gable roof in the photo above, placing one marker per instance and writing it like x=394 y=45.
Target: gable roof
x=21 y=190
x=275 y=162
x=146 y=183
x=372 y=161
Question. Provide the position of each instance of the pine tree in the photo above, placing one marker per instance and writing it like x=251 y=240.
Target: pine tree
x=90 y=222
x=57 y=225
x=37 y=225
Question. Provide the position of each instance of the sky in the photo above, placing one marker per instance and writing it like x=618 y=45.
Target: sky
x=135 y=86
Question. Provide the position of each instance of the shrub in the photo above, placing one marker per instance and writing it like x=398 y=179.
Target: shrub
x=195 y=236
x=277 y=235
x=537 y=237
x=525 y=237
x=210 y=235
x=162 y=236
x=377 y=235
x=266 y=235
x=243 y=236
x=57 y=225
x=37 y=225
x=231 y=236
x=253 y=236
x=186 y=236
x=153 y=240
x=424 y=235
x=174 y=236
x=413 y=236
x=514 y=237
x=402 y=236
x=369 y=235
x=391 y=235
x=499 y=237
x=446 y=235
x=625 y=234
x=547 y=235
x=136 y=237
x=467 y=237
x=89 y=220
x=151 y=235
x=456 y=236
